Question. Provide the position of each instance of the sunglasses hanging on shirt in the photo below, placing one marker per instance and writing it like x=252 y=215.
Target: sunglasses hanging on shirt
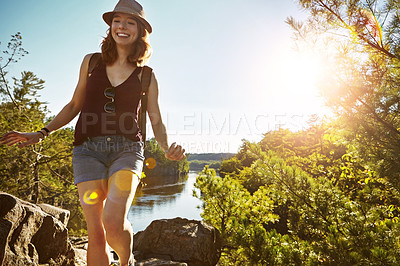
x=109 y=107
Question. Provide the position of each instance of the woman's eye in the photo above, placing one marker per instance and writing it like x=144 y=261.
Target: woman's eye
x=132 y=23
x=117 y=21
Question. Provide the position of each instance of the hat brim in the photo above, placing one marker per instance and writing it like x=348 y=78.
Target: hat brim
x=108 y=16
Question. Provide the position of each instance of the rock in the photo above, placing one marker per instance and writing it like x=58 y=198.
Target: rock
x=79 y=242
x=37 y=235
x=181 y=240
x=159 y=262
x=31 y=236
x=80 y=257
x=61 y=214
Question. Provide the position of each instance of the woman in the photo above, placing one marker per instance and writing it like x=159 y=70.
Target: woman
x=108 y=152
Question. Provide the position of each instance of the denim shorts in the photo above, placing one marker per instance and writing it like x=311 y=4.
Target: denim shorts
x=101 y=157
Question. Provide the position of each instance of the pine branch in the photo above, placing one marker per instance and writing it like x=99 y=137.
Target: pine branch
x=7 y=88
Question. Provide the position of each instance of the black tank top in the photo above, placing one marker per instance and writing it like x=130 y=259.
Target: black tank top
x=94 y=121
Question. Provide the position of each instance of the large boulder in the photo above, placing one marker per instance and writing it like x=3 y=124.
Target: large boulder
x=181 y=240
x=37 y=235
x=31 y=236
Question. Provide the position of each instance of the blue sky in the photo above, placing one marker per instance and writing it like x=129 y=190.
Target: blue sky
x=227 y=69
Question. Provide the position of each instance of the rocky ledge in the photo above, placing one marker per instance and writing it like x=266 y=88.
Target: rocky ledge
x=37 y=235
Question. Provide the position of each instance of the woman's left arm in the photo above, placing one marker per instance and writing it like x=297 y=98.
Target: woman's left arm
x=173 y=152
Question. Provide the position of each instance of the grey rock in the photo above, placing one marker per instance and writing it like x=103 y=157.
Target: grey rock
x=37 y=235
x=61 y=214
x=79 y=242
x=30 y=236
x=189 y=241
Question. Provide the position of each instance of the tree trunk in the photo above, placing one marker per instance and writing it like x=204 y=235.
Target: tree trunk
x=36 y=179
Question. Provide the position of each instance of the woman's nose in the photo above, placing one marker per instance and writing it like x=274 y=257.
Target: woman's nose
x=122 y=25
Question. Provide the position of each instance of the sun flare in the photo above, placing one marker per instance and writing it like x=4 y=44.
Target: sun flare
x=303 y=72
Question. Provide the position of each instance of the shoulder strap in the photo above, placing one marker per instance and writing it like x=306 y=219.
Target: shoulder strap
x=146 y=78
x=145 y=82
x=93 y=62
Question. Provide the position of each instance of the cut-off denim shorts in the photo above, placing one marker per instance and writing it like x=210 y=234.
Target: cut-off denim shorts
x=100 y=157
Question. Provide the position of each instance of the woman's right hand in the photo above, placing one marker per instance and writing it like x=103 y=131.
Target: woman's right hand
x=24 y=139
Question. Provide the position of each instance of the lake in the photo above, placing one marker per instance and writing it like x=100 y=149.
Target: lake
x=164 y=197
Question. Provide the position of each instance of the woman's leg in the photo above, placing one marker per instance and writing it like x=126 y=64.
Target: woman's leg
x=121 y=190
x=92 y=195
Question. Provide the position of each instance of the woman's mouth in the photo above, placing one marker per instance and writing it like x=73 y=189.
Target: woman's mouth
x=124 y=35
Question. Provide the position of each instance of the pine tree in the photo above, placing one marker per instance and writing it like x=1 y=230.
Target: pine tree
x=41 y=172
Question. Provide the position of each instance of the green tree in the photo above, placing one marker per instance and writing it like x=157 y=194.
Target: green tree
x=239 y=216
x=325 y=224
x=244 y=158
x=362 y=81
x=42 y=172
x=334 y=186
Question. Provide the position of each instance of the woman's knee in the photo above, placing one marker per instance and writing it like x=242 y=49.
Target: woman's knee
x=113 y=223
x=97 y=240
x=96 y=237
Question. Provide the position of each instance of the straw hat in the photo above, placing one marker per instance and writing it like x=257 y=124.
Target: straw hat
x=130 y=7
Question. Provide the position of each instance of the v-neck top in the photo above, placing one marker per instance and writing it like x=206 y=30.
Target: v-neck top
x=93 y=121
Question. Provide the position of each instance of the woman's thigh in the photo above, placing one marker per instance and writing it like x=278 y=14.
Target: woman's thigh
x=122 y=186
x=92 y=195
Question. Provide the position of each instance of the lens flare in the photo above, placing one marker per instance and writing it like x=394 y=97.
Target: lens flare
x=123 y=180
x=91 y=197
x=151 y=163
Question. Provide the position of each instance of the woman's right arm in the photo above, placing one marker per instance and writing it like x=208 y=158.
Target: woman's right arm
x=62 y=118
x=75 y=105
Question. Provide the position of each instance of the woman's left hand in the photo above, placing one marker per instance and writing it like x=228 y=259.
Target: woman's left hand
x=175 y=152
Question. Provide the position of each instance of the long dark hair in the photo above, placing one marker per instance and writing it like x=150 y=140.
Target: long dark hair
x=141 y=49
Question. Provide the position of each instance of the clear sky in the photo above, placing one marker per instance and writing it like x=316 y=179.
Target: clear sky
x=227 y=69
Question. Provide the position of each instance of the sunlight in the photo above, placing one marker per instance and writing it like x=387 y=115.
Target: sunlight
x=150 y=163
x=372 y=26
x=91 y=197
x=301 y=74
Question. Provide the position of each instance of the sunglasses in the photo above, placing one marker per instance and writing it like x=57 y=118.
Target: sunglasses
x=110 y=94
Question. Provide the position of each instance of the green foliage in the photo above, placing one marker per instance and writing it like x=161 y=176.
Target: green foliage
x=334 y=186
x=42 y=172
x=244 y=158
x=240 y=217
x=231 y=166
x=362 y=78
x=325 y=223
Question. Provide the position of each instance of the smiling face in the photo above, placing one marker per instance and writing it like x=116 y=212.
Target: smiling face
x=124 y=29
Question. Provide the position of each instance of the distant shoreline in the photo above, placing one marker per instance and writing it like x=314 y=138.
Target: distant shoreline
x=197 y=161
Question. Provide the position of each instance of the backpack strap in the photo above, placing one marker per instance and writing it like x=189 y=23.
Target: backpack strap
x=145 y=82
x=93 y=63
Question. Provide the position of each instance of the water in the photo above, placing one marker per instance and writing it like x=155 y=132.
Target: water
x=164 y=197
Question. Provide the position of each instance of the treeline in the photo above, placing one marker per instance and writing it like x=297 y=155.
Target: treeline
x=217 y=157
x=197 y=165
x=329 y=194
x=197 y=161
x=42 y=173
